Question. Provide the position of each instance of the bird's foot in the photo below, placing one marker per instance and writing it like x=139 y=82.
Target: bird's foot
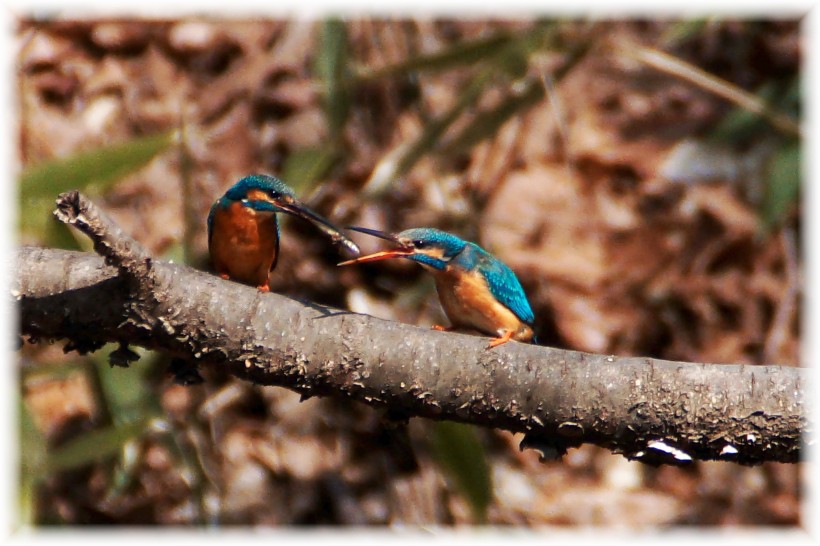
x=440 y=328
x=224 y=276
x=500 y=340
x=263 y=287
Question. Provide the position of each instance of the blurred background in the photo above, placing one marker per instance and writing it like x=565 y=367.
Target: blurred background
x=641 y=177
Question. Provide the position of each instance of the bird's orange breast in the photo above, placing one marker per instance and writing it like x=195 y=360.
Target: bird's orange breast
x=244 y=243
x=468 y=302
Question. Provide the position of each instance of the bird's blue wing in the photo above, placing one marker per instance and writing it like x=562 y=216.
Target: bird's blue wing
x=505 y=286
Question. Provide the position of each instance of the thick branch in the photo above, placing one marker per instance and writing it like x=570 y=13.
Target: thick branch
x=652 y=410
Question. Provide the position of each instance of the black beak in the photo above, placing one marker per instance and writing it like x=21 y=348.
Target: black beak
x=383 y=255
x=296 y=208
x=376 y=233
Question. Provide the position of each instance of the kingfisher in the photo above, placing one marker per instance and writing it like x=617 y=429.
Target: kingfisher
x=243 y=232
x=476 y=289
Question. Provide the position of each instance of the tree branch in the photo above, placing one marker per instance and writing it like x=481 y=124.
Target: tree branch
x=656 y=411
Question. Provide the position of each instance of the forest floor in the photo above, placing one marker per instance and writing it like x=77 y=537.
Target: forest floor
x=634 y=205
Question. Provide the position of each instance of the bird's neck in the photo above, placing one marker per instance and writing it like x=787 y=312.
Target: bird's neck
x=430 y=263
x=465 y=258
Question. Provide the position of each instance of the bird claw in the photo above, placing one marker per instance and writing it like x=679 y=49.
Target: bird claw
x=501 y=340
x=440 y=328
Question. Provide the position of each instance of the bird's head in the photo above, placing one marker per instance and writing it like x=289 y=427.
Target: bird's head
x=427 y=246
x=261 y=188
x=267 y=194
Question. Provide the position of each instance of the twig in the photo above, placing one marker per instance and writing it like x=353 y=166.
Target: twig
x=672 y=65
x=785 y=309
x=109 y=240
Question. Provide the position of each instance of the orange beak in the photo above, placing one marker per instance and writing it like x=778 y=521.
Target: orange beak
x=384 y=254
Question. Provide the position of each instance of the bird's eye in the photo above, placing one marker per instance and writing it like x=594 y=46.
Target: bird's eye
x=418 y=243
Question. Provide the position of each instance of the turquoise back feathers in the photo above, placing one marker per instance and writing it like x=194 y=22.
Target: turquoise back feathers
x=503 y=283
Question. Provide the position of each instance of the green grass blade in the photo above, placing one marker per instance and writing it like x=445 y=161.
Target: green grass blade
x=740 y=123
x=331 y=65
x=434 y=130
x=679 y=68
x=31 y=466
x=782 y=186
x=463 y=54
x=305 y=167
x=128 y=397
x=91 y=171
x=684 y=30
x=98 y=167
x=94 y=446
x=737 y=124
x=487 y=123
x=460 y=54
x=123 y=392
x=508 y=63
x=190 y=213
x=394 y=165
x=458 y=450
x=124 y=473
x=123 y=396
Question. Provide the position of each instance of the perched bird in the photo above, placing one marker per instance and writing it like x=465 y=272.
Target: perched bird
x=243 y=233
x=476 y=290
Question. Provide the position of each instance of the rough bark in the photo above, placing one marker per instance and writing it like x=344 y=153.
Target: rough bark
x=656 y=411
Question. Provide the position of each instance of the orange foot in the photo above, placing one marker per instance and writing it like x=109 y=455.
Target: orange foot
x=224 y=276
x=264 y=287
x=441 y=328
x=500 y=340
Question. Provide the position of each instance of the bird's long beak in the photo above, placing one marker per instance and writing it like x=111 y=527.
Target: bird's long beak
x=297 y=208
x=384 y=254
x=376 y=233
